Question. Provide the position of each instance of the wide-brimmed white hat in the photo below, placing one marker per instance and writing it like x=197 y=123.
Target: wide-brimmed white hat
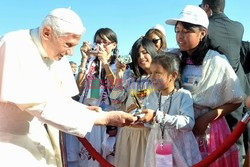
x=191 y=14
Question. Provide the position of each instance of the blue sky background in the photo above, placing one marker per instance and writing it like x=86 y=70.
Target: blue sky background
x=130 y=19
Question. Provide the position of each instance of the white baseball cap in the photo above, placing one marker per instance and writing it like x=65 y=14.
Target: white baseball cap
x=191 y=14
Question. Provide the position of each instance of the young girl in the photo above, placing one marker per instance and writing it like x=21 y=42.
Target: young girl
x=215 y=88
x=131 y=141
x=174 y=118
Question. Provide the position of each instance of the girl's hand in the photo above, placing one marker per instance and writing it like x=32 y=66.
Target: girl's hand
x=120 y=68
x=149 y=115
x=84 y=49
x=103 y=55
x=200 y=125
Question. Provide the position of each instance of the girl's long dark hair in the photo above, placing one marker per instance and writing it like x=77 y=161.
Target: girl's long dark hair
x=111 y=35
x=149 y=46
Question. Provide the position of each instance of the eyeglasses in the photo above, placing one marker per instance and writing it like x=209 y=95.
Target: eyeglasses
x=155 y=41
x=105 y=43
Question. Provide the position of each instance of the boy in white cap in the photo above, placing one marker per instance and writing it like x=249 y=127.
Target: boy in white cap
x=36 y=86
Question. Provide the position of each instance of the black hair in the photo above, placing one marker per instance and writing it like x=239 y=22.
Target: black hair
x=198 y=55
x=149 y=46
x=111 y=35
x=217 y=6
x=171 y=63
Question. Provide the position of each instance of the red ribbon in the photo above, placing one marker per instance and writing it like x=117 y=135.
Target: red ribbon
x=94 y=153
x=230 y=140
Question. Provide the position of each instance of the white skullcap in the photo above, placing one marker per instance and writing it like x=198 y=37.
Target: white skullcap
x=68 y=21
x=191 y=14
x=160 y=27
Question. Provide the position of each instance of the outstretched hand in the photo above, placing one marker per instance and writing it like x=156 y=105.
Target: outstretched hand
x=115 y=118
x=120 y=118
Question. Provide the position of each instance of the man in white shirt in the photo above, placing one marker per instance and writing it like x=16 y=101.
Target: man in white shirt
x=36 y=86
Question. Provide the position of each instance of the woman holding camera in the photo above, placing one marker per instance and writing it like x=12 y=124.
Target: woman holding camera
x=95 y=80
x=101 y=56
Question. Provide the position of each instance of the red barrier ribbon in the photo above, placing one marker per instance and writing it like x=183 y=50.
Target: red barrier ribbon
x=230 y=140
x=94 y=153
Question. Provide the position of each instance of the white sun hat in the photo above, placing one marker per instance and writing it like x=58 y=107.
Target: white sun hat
x=191 y=14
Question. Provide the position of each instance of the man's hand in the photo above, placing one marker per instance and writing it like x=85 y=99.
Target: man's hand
x=115 y=118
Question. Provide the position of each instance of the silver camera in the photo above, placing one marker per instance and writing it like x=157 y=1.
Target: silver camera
x=125 y=59
x=94 y=48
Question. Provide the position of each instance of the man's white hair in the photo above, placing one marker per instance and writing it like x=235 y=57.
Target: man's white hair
x=64 y=21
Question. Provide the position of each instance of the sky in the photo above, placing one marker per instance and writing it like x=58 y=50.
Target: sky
x=129 y=19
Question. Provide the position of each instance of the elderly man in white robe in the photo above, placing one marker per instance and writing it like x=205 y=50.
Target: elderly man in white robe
x=36 y=86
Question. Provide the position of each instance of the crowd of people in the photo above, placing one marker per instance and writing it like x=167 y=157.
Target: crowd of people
x=155 y=106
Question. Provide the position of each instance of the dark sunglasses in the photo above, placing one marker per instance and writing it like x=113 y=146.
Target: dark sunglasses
x=155 y=41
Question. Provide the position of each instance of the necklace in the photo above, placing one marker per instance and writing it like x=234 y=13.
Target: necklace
x=170 y=103
x=162 y=124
